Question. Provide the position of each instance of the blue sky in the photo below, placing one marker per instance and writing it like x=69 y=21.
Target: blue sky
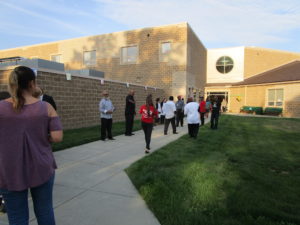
x=218 y=23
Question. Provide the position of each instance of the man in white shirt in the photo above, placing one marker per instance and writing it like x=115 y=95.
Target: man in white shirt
x=191 y=109
x=169 y=110
x=106 y=109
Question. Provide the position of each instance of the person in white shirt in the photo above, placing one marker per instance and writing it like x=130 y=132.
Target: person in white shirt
x=169 y=110
x=106 y=109
x=191 y=110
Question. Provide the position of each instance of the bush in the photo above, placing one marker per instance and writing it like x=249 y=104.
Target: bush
x=252 y=110
x=273 y=111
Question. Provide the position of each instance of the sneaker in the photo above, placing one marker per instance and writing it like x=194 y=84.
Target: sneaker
x=175 y=132
x=132 y=134
x=147 y=151
x=111 y=139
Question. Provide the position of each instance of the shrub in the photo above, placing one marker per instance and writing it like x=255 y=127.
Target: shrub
x=273 y=111
x=252 y=110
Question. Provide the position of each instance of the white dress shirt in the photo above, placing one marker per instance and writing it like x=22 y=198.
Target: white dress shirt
x=191 y=110
x=169 y=108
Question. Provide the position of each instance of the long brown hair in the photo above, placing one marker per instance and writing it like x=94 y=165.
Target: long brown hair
x=19 y=80
x=149 y=102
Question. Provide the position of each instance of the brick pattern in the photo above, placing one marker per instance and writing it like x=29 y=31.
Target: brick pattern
x=149 y=69
x=78 y=99
x=258 y=60
x=257 y=96
x=196 y=60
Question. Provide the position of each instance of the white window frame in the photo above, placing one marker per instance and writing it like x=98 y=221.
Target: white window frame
x=123 y=61
x=275 y=97
x=58 y=54
x=91 y=62
x=161 y=47
x=163 y=57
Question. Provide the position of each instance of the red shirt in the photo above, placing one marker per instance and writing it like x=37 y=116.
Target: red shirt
x=145 y=117
x=202 y=107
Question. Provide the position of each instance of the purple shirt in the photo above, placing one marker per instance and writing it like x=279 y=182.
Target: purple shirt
x=26 y=158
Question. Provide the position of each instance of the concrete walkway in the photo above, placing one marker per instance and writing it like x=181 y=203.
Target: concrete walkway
x=92 y=188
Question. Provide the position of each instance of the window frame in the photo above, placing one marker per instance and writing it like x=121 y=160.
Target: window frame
x=57 y=54
x=275 y=97
x=224 y=64
x=163 y=57
x=122 y=62
x=90 y=64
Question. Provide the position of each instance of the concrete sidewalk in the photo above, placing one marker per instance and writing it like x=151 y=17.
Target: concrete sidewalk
x=91 y=187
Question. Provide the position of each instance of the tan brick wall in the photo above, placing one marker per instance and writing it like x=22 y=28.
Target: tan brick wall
x=149 y=70
x=236 y=99
x=77 y=100
x=196 y=62
x=257 y=96
x=258 y=60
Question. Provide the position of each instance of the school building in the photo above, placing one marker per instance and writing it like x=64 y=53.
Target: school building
x=173 y=58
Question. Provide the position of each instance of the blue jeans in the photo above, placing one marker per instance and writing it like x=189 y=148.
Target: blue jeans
x=17 y=204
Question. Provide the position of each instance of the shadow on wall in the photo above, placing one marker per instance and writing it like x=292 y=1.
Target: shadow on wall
x=292 y=107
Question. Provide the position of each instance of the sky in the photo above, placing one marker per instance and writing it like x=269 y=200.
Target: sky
x=218 y=23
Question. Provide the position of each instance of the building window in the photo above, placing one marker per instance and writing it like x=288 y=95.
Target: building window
x=129 y=54
x=275 y=97
x=56 y=58
x=89 y=58
x=224 y=64
x=165 y=47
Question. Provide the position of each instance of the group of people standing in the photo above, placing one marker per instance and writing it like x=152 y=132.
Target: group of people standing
x=165 y=112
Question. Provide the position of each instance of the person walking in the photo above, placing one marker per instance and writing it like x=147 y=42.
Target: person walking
x=216 y=107
x=149 y=113
x=129 y=113
x=202 y=110
x=106 y=109
x=191 y=110
x=27 y=128
x=169 y=110
x=179 y=111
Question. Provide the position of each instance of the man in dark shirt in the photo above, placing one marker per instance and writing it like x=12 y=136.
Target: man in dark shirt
x=216 y=106
x=129 y=113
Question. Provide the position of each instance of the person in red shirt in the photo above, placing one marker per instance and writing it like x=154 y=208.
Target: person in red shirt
x=148 y=113
x=202 y=110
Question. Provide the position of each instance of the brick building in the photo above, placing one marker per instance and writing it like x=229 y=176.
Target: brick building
x=171 y=58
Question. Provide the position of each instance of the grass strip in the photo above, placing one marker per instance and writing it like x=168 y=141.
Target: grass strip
x=75 y=137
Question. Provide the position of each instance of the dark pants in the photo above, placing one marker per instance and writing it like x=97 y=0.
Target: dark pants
x=193 y=129
x=17 y=204
x=147 y=128
x=162 y=119
x=202 y=118
x=129 y=123
x=106 y=125
x=214 y=120
x=179 y=117
x=167 y=122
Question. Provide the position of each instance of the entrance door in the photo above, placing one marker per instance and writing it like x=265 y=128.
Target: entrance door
x=222 y=96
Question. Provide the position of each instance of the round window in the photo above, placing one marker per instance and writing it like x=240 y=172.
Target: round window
x=224 y=64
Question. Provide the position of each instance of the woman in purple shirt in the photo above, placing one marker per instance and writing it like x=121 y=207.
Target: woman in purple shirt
x=27 y=128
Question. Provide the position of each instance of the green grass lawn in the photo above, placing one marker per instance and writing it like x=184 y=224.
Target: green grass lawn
x=81 y=136
x=245 y=173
